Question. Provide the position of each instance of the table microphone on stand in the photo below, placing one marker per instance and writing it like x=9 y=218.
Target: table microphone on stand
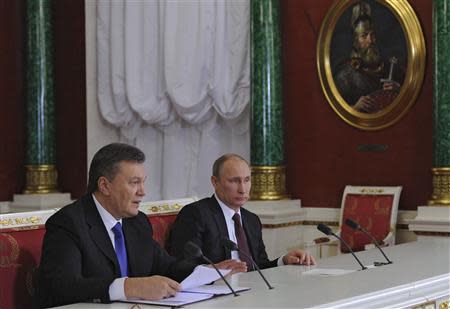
x=354 y=225
x=230 y=245
x=194 y=251
x=328 y=231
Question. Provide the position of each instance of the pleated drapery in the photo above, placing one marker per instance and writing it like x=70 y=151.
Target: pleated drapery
x=174 y=77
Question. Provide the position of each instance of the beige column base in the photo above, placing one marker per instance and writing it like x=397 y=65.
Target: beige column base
x=31 y=202
x=431 y=222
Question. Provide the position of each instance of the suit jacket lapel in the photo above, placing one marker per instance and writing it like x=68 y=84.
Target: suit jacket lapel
x=220 y=222
x=98 y=231
x=248 y=231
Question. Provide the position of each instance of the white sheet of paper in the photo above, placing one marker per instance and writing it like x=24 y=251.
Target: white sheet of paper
x=327 y=272
x=178 y=300
x=202 y=275
x=215 y=289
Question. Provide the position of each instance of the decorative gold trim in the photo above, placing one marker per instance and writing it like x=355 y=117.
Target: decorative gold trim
x=445 y=304
x=293 y=223
x=268 y=183
x=329 y=223
x=40 y=179
x=371 y=190
x=173 y=208
x=19 y=221
x=278 y=225
x=441 y=187
x=426 y=305
x=415 y=71
x=425 y=233
x=23 y=228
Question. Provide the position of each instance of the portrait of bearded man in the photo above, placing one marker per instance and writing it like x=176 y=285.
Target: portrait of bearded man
x=367 y=81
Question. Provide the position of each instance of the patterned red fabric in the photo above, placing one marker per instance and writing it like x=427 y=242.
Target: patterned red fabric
x=372 y=212
x=161 y=227
x=20 y=253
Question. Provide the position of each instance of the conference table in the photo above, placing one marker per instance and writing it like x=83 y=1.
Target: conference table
x=419 y=277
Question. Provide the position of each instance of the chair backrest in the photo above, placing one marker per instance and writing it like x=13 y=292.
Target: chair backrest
x=21 y=236
x=375 y=209
x=162 y=215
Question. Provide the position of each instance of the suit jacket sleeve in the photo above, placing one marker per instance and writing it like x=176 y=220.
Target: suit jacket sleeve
x=188 y=226
x=61 y=277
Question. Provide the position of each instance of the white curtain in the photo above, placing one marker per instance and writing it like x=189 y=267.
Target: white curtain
x=174 y=77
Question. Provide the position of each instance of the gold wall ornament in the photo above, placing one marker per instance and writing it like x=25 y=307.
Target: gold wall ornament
x=268 y=183
x=441 y=187
x=40 y=179
x=331 y=54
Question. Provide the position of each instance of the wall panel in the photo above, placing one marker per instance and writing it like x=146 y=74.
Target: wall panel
x=321 y=149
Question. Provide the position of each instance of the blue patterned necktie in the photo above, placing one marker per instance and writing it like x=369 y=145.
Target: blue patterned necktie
x=121 y=251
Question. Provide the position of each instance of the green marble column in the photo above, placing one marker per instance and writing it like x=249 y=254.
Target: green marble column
x=40 y=167
x=441 y=103
x=267 y=145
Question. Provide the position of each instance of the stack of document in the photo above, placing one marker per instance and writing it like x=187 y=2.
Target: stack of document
x=196 y=287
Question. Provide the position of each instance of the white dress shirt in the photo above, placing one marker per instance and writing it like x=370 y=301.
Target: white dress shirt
x=117 y=287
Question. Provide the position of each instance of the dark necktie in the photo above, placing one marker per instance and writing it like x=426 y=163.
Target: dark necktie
x=121 y=251
x=242 y=241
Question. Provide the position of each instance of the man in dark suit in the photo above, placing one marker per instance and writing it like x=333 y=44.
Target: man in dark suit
x=100 y=248
x=208 y=221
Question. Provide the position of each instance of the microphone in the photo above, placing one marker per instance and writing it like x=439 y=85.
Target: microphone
x=354 y=225
x=328 y=231
x=194 y=251
x=230 y=245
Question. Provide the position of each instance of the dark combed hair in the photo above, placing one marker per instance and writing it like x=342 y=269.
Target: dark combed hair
x=106 y=162
x=217 y=166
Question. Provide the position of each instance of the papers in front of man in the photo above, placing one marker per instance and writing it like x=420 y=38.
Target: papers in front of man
x=196 y=287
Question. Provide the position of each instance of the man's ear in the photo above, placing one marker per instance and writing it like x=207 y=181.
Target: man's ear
x=214 y=181
x=103 y=185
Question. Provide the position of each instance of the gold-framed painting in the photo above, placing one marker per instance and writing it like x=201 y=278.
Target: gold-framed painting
x=371 y=61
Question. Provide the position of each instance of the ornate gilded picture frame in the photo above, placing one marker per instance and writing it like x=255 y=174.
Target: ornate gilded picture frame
x=371 y=60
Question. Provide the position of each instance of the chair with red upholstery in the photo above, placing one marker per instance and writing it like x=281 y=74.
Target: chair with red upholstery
x=21 y=236
x=374 y=209
x=162 y=214
x=20 y=253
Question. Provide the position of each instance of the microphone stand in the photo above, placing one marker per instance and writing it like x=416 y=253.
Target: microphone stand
x=328 y=231
x=191 y=249
x=230 y=245
x=375 y=242
x=350 y=249
x=257 y=269
x=355 y=225
x=220 y=274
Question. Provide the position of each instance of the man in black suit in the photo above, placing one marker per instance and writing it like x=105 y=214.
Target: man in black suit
x=100 y=248
x=208 y=221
